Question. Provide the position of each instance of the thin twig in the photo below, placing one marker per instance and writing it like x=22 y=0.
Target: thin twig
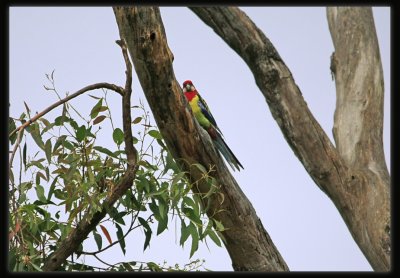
x=100 y=260
x=108 y=110
x=96 y=86
x=131 y=228
x=53 y=83
x=89 y=266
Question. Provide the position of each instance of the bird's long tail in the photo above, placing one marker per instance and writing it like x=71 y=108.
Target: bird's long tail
x=226 y=152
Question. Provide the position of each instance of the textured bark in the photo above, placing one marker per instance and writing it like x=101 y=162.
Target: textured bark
x=247 y=242
x=358 y=124
x=354 y=175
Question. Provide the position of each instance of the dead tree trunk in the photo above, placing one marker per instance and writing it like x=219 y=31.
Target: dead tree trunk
x=247 y=242
x=354 y=174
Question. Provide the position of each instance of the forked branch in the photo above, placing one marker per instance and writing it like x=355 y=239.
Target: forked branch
x=88 y=223
x=356 y=180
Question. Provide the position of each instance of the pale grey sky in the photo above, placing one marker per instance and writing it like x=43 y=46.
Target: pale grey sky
x=79 y=43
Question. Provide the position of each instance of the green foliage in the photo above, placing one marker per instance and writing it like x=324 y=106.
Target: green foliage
x=11 y=128
x=118 y=136
x=70 y=176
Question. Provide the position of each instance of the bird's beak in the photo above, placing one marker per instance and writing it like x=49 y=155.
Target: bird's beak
x=188 y=87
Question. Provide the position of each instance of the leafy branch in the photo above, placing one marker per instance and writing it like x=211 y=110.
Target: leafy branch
x=92 y=87
x=76 y=237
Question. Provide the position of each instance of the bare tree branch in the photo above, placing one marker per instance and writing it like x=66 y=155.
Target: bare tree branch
x=131 y=152
x=365 y=210
x=88 y=223
x=359 y=88
x=287 y=105
x=247 y=242
x=358 y=126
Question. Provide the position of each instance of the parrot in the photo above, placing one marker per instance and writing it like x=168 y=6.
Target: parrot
x=206 y=120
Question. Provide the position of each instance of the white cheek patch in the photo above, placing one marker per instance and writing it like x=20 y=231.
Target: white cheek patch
x=192 y=88
x=184 y=90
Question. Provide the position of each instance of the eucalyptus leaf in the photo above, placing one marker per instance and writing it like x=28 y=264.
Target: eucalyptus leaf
x=95 y=110
x=47 y=148
x=118 y=136
x=155 y=134
x=120 y=236
x=195 y=239
x=40 y=193
x=81 y=133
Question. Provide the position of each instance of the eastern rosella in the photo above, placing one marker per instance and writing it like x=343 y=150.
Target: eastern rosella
x=207 y=121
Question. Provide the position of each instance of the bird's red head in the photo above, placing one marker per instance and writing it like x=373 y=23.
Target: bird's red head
x=189 y=90
x=188 y=86
x=187 y=82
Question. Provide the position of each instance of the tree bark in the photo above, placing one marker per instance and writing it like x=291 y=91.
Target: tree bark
x=353 y=175
x=358 y=124
x=247 y=242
